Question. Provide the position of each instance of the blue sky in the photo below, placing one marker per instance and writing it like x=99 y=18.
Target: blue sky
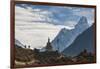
x=64 y=15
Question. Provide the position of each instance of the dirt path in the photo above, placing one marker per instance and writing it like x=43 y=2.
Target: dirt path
x=24 y=63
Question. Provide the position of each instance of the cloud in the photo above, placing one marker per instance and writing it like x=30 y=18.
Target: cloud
x=71 y=23
x=29 y=15
x=55 y=15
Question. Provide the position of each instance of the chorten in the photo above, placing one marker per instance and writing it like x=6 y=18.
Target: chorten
x=48 y=46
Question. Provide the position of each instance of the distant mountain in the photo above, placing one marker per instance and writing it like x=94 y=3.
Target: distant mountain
x=83 y=41
x=18 y=43
x=66 y=37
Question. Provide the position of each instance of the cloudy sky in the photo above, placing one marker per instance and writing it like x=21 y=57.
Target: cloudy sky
x=35 y=23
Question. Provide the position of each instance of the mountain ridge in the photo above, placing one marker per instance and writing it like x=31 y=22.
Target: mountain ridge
x=83 y=41
x=18 y=43
x=66 y=37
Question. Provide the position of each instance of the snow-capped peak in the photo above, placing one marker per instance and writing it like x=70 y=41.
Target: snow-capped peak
x=66 y=37
x=17 y=42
